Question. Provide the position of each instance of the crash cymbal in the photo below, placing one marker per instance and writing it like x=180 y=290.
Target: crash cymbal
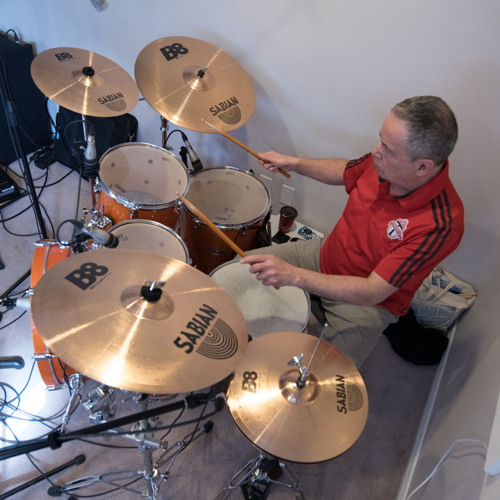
x=186 y=80
x=92 y=312
x=84 y=82
x=306 y=424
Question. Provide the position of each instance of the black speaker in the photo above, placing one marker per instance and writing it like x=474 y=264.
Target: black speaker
x=33 y=120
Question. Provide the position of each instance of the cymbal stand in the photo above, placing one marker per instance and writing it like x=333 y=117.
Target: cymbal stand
x=13 y=125
x=153 y=474
x=259 y=474
x=75 y=385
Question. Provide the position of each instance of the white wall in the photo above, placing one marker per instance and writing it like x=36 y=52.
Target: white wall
x=325 y=74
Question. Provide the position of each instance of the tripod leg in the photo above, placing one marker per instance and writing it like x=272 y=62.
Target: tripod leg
x=76 y=461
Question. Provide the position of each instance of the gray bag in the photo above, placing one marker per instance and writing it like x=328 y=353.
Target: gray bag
x=442 y=299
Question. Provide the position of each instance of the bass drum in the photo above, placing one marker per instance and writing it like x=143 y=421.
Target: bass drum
x=265 y=308
x=53 y=371
x=141 y=181
x=237 y=202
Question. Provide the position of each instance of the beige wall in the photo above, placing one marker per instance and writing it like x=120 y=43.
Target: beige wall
x=325 y=75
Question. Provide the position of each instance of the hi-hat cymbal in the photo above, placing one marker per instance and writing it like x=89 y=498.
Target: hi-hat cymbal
x=306 y=424
x=84 y=82
x=186 y=80
x=92 y=312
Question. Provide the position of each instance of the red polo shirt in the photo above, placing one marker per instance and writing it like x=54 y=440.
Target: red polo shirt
x=401 y=238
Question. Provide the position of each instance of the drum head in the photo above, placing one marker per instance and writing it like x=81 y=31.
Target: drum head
x=228 y=196
x=139 y=234
x=265 y=308
x=142 y=175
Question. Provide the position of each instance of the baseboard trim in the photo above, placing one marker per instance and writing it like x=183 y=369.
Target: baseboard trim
x=424 y=423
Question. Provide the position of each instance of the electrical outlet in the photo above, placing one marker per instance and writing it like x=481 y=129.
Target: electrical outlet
x=266 y=180
x=286 y=195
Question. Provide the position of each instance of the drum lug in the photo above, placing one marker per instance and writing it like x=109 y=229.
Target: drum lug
x=197 y=225
x=243 y=232
x=134 y=212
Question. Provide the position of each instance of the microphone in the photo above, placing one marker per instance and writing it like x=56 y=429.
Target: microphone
x=22 y=303
x=90 y=156
x=195 y=161
x=108 y=240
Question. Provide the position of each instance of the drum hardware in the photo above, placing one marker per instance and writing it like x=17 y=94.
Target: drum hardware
x=100 y=404
x=196 y=332
x=259 y=474
x=185 y=79
x=75 y=385
x=142 y=434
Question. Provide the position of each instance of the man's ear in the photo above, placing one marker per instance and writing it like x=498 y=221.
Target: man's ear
x=425 y=167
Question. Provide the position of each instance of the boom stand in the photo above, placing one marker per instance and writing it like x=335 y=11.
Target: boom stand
x=257 y=476
x=143 y=435
x=10 y=113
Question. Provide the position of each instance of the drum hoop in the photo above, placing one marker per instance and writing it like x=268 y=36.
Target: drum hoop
x=240 y=225
x=306 y=294
x=158 y=224
x=133 y=204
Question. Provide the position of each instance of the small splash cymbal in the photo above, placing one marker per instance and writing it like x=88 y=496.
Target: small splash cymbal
x=186 y=80
x=180 y=333
x=312 y=423
x=84 y=82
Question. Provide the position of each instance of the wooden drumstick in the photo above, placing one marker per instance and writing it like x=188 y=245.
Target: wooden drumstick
x=214 y=228
x=241 y=145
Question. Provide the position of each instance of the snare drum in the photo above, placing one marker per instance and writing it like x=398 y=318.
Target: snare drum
x=265 y=308
x=151 y=236
x=237 y=202
x=141 y=181
x=52 y=370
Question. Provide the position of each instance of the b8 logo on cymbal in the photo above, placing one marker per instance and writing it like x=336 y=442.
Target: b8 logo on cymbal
x=173 y=51
x=248 y=383
x=62 y=56
x=86 y=275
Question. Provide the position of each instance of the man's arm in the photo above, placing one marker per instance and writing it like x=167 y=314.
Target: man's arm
x=326 y=170
x=351 y=289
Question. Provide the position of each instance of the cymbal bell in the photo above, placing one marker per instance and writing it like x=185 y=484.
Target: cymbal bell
x=84 y=82
x=178 y=333
x=310 y=423
x=186 y=80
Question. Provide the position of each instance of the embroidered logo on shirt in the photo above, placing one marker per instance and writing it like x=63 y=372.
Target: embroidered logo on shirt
x=396 y=228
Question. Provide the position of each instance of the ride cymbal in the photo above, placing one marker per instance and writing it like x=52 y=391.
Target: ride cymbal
x=84 y=82
x=186 y=80
x=306 y=424
x=179 y=334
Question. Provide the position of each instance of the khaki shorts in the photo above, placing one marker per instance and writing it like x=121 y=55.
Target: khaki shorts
x=351 y=328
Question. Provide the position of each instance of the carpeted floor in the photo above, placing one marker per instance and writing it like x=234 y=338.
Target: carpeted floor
x=199 y=464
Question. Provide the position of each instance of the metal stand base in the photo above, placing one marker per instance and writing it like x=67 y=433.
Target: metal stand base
x=154 y=473
x=258 y=475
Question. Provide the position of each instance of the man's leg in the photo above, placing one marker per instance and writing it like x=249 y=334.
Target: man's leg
x=351 y=328
x=355 y=329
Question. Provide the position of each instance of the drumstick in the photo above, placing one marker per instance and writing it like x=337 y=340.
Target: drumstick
x=214 y=228
x=246 y=148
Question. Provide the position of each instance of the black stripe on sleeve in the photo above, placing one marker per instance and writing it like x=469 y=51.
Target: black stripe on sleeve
x=431 y=245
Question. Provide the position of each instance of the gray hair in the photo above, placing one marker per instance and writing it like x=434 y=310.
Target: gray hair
x=432 y=127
